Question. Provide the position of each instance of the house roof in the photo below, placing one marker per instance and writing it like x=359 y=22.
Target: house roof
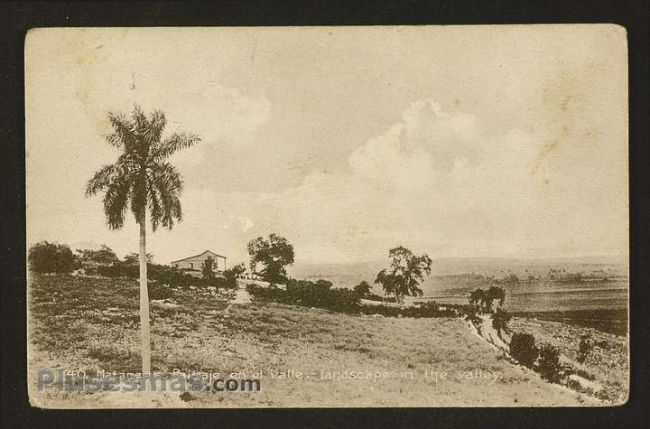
x=196 y=256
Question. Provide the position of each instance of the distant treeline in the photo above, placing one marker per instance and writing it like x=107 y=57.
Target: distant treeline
x=556 y=275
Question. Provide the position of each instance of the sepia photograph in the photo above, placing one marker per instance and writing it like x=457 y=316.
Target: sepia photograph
x=327 y=216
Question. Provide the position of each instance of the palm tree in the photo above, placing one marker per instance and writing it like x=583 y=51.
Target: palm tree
x=141 y=178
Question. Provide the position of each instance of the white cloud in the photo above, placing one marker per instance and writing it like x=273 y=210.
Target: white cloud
x=434 y=181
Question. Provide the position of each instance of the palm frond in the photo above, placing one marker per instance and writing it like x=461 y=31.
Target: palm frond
x=124 y=167
x=173 y=143
x=139 y=119
x=115 y=201
x=164 y=174
x=167 y=184
x=123 y=135
x=172 y=212
x=155 y=129
x=155 y=207
x=101 y=179
x=171 y=209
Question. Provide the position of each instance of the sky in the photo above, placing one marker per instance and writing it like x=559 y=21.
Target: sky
x=455 y=141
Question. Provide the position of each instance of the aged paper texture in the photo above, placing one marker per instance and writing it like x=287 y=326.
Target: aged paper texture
x=401 y=216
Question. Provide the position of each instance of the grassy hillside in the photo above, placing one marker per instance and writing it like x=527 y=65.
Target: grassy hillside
x=91 y=324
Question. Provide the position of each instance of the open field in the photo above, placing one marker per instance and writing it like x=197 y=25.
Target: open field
x=611 y=321
x=91 y=324
x=541 y=295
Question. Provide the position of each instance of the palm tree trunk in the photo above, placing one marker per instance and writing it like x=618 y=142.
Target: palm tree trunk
x=145 y=334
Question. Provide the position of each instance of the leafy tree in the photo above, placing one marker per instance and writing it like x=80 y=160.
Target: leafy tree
x=476 y=297
x=405 y=273
x=273 y=254
x=485 y=298
x=47 y=257
x=495 y=293
x=523 y=349
x=207 y=268
x=141 y=178
x=362 y=289
x=134 y=259
x=104 y=256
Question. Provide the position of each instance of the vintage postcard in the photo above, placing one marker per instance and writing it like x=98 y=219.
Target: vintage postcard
x=398 y=216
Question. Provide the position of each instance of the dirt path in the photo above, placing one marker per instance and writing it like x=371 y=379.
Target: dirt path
x=242 y=296
x=489 y=334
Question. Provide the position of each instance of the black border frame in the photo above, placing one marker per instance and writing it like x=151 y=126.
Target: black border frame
x=16 y=18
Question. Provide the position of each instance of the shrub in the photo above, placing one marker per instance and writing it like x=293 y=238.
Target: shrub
x=118 y=270
x=134 y=258
x=549 y=363
x=427 y=309
x=362 y=289
x=161 y=273
x=90 y=271
x=500 y=320
x=159 y=291
x=473 y=317
x=523 y=349
x=273 y=294
x=584 y=374
x=104 y=256
x=584 y=349
x=320 y=294
x=232 y=274
x=47 y=257
x=375 y=297
x=611 y=393
x=222 y=282
x=172 y=276
x=575 y=385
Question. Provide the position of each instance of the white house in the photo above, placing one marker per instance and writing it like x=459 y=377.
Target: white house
x=194 y=263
